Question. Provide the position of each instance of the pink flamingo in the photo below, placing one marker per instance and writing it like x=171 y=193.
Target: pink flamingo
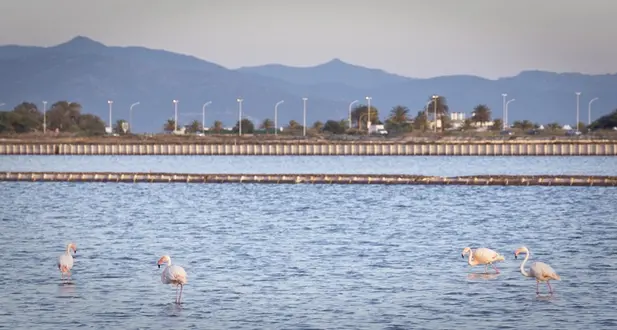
x=173 y=274
x=482 y=256
x=541 y=271
x=65 y=261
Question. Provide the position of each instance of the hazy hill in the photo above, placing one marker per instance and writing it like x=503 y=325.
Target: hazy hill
x=85 y=71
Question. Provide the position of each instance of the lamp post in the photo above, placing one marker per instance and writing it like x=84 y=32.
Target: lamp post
x=239 y=116
x=304 y=99
x=507 y=103
x=503 y=111
x=368 y=118
x=110 y=102
x=350 y=105
x=435 y=97
x=578 y=95
x=175 y=116
x=44 y=117
x=131 y=116
x=276 y=112
x=203 y=116
x=589 y=111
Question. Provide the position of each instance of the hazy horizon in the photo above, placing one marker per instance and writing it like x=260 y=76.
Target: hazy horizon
x=481 y=38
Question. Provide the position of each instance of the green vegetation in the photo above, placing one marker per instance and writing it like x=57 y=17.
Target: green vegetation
x=67 y=117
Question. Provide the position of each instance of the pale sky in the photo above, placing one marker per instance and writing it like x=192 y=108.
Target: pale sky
x=415 y=38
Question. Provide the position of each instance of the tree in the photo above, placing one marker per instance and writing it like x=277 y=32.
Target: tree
x=608 y=121
x=555 y=126
x=334 y=127
x=468 y=124
x=118 y=127
x=437 y=107
x=481 y=114
x=267 y=124
x=522 y=125
x=169 y=126
x=194 y=127
x=398 y=119
x=359 y=115
x=421 y=121
x=247 y=126
x=217 y=127
x=317 y=126
x=497 y=125
x=64 y=116
x=24 y=118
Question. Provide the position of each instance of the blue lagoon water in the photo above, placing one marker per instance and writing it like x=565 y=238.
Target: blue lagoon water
x=307 y=256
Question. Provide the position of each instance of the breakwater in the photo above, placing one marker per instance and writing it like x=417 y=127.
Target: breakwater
x=137 y=177
x=319 y=149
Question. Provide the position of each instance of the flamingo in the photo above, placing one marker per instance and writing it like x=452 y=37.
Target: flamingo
x=482 y=256
x=65 y=261
x=173 y=274
x=541 y=271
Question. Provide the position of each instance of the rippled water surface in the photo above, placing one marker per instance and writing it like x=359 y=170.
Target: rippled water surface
x=306 y=256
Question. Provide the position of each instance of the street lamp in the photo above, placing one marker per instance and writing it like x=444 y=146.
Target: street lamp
x=239 y=116
x=578 y=95
x=175 y=116
x=368 y=118
x=203 y=116
x=276 y=111
x=131 y=116
x=304 y=99
x=589 y=111
x=350 y=105
x=110 y=102
x=512 y=100
x=503 y=112
x=44 y=117
x=435 y=97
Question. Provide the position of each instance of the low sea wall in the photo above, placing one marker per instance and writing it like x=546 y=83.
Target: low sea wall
x=319 y=149
x=486 y=180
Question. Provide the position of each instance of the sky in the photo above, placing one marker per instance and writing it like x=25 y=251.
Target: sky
x=414 y=38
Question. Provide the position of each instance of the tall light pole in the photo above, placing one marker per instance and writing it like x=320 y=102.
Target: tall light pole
x=131 y=116
x=578 y=96
x=276 y=113
x=44 y=117
x=175 y=115
x=507 y=103
x=589 y=111
x=368 y=118
x=503 y=112
x=203 y=115
x=239 y=116
x=111 y=129
x=435 y=97
x=304 y=99
x=350 y=105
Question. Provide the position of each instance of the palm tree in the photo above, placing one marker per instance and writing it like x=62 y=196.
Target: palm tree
x=438 y=107
x=217 y=127
x=194 y=127
x=399 y=115
x=169 y=126
x=317 y=126
x=267 y=124
x=481 y=114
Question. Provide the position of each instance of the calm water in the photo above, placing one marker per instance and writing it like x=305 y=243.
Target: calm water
x=306 y=256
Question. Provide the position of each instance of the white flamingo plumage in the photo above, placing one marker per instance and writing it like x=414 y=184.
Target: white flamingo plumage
x=482 y=256
x=65 y=261
x=174 y=275
x=540 y=271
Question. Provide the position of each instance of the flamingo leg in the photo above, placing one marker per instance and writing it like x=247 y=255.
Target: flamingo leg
x=550 y=289
x=486 y=268
x=537 y=287
x=176 y=294
x=181 y=288
x=495 y=268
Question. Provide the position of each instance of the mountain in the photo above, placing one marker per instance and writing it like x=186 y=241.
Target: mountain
x=89 y=72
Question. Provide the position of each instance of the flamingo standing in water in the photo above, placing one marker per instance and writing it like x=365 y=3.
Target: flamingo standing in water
x=482 y=256
x=173 y=274
x=541 y=271
x=65 y=261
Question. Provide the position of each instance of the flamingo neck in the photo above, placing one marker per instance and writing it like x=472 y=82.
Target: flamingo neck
x=523 y=271
x=469 y=260
x=68 y=249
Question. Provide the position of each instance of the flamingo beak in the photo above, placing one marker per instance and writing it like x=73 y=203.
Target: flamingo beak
x=463 y=256
x=515 y=255
x=159 y=266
